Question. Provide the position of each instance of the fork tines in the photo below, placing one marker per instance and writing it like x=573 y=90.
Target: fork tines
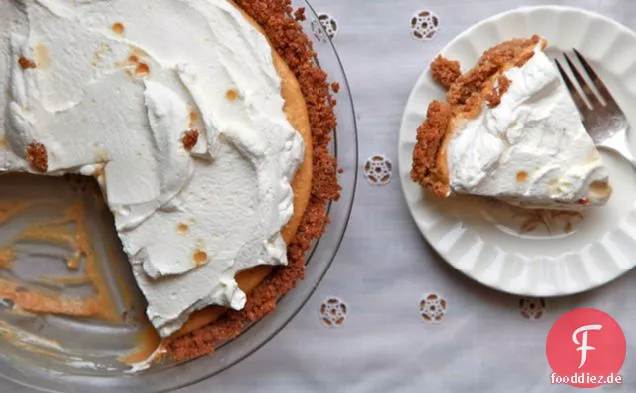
x=602 y=99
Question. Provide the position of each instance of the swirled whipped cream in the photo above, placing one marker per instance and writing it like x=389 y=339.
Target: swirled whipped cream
x=532 y=149
x=176 y=107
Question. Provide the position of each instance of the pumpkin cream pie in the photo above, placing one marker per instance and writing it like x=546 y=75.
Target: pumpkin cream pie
x=206 y=124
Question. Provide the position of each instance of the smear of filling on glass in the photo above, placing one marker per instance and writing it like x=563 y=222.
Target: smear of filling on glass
x=69 y=230
x=148 y=342
x=29 y=342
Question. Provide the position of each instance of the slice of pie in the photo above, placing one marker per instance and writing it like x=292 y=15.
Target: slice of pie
x=509 y=130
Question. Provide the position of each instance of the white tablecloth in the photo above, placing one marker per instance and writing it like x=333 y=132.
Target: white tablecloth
x=483 y=343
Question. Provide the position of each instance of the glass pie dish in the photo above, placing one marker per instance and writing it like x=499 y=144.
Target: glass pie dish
x=27 y=366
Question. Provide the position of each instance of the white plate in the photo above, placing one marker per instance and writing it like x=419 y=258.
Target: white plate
x=485 y=240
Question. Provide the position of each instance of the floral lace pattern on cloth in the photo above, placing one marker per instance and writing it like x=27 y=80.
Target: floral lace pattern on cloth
x=325 y=27
x=532 y=308
x=333 y=312
x=424 y=25
x=433 y=308
x=378 y=170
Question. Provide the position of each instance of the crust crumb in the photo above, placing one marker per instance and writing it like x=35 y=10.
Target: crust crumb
x=299 y=14
x=26 y=63
x=190 y=138
x=445 y=71
x=493 y=99
x=335 y=87
x=37 y=156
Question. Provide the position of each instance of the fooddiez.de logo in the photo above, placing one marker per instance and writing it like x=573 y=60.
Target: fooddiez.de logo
x=586 y=348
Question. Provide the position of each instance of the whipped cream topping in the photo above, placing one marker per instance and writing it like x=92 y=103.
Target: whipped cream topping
x=532 y=149
x=111 y=87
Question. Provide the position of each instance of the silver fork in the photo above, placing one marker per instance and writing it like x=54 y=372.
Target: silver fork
x=602 y=117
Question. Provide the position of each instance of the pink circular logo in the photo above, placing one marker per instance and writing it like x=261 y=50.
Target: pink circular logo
x=586 y=348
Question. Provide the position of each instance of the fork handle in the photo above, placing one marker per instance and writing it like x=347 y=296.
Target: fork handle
x=619 y=144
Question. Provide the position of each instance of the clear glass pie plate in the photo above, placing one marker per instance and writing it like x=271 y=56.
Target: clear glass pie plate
x=40 y=371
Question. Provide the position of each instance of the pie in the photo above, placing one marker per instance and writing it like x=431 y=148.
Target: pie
x=509 y=130
x=206 y=124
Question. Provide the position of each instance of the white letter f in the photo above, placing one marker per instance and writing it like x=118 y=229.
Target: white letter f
x=584 y=347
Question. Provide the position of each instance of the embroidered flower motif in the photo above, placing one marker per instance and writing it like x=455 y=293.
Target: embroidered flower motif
x=329 y=28
x=378 y=170
x=433 y=308
x=424 y=25
x=532 y=308
x=333 y=312
x=319 y=33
